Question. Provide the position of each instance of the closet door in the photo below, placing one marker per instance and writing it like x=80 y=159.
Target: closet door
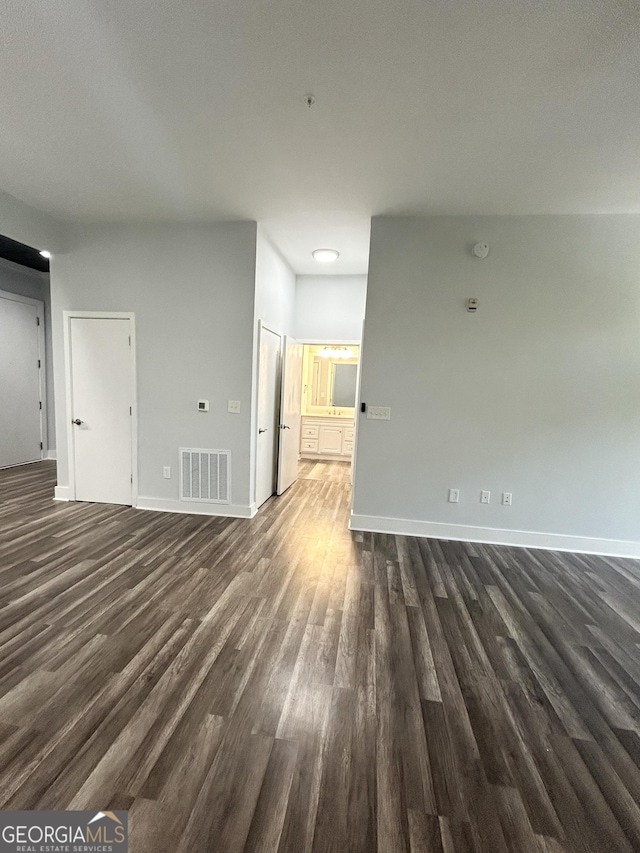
x=290 y=418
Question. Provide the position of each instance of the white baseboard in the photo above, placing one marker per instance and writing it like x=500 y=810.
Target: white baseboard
x=495 y=536
x=62 y=493
x=51 y=454
x=196 y=507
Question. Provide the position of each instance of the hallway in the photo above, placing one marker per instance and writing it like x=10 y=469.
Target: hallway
x=280 y=684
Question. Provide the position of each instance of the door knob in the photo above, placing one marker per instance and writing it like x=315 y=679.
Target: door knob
x=261 y=430
x=77 y=422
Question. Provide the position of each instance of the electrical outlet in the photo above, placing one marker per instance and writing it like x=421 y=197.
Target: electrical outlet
x=454 y=496
x=166 y=472
x=233 y=406
x=507 y=498
x=485 y=497
x=379 y=413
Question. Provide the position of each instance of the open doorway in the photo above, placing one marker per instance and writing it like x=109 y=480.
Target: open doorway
x=328 y=400
x=306 y=412
x=325 y=313
x=22 y=384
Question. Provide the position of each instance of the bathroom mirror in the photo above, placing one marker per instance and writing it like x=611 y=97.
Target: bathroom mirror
x=343 y=385
x=329 y=379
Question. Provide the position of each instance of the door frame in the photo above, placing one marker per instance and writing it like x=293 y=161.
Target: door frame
x=346 y=342
x=68 y=316
x=42 y=356
x=269 y=328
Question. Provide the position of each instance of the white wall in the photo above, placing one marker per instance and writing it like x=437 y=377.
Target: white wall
x=192 y=290
x=274 y=306
x=537 y=394
x=330 y=307
x=23 y=281
x=275 y=286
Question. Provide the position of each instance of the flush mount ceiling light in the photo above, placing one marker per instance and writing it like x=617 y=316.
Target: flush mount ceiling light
x=325 y=256
x=45 y=253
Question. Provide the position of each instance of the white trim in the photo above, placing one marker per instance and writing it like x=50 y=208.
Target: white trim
x=38 y=304
x=196 y=508
x=18 y=297
x=67 y=316
x=20 y=464
x=51 y=453
x=495 y=536
x=62 y=493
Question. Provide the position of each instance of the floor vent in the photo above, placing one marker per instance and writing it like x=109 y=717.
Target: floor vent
x=205 y=475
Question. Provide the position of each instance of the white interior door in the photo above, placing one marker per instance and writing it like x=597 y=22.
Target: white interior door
x=268 y=413
x=101 y=406
x=290 y=419
x=20 y=377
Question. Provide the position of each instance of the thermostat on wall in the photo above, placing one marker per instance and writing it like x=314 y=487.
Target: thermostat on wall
x=203 y=405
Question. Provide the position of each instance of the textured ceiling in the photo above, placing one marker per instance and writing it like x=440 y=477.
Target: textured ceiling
x=161 y=110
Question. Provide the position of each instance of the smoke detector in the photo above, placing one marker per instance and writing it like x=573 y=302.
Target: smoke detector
x=481 y=250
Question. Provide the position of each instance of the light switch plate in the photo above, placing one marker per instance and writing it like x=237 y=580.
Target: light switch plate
x=379 y=413
x=233 y=406
x=166 y=472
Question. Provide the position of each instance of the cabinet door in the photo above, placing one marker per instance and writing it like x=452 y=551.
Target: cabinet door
x=330 y=440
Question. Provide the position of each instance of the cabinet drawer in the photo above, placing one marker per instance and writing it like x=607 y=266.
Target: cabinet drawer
x=310 y=444
x=347 y=447
x=348 y=433
x=309 y=431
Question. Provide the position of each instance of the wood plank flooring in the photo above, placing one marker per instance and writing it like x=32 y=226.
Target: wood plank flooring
x=281 y=685
x=335 y=472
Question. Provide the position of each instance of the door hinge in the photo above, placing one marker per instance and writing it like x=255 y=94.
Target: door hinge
x=129 y=340
x=41 y=448
x=40 y=405
x=39 y=365
x=131 y=478
x=130 y=412
x=37 y=321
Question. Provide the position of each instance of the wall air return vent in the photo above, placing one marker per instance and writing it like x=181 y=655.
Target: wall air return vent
x=205 y=475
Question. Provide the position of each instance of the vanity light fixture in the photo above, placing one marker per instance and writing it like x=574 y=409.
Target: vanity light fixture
x=335 y=352
x=325 y=256
x=45 y=254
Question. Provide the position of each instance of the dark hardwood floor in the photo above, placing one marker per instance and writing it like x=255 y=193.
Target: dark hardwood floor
x=280 y=684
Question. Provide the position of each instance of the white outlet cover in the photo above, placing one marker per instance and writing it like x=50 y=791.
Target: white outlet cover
x=378 y=413
x=166 y=472
x=454 y=496
x=485 y=497
x=233 y=406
